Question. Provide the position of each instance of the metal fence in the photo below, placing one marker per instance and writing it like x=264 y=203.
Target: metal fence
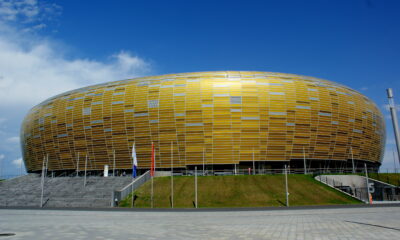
x=250 y=171
x=222 y=172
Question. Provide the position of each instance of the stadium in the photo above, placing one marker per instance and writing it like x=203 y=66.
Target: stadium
x=222 y=120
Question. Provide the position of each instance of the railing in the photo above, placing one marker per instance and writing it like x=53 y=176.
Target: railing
x=250 y=171
x=359 y=193
x=329 y=181
x=122 y=193
x=239 y=172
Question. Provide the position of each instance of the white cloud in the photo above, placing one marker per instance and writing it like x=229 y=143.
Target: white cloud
x=387 y=107
x=27 y=11
x=17 y=162
x=30 y=76
x=33 y=68
x=390 y=161
x=390 y=141
x=14 y=139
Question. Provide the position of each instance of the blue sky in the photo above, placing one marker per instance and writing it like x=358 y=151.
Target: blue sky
x=48 y=47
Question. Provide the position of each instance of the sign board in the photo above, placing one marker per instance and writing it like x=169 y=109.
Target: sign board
x=105 y=170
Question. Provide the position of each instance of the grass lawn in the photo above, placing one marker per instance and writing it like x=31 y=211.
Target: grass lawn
x=391 y=178
x=237 y=191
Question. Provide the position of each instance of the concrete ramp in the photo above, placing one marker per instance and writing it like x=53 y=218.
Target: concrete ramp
x=356 y=186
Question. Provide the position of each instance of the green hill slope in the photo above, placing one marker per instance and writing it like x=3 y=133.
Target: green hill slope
x=391 y=178
x=237 y=191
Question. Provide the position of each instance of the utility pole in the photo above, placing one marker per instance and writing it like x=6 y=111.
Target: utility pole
x=393 y=112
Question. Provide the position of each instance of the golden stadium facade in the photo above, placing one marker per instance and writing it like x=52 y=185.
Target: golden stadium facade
x=216 y=118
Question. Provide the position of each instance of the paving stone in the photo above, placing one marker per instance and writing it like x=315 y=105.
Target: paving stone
x=340 y=223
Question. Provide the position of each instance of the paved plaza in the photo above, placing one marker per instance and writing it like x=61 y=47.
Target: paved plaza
x=332 y=223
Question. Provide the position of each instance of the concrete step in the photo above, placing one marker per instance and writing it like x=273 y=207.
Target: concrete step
x=60 y=191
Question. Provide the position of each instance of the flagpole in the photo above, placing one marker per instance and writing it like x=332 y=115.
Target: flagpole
x=152 y=174
x=286 y=187
x=132 y=194
x=172 y=176
x=152 y=191
x=134 y=163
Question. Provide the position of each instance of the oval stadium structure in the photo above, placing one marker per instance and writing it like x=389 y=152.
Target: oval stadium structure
x=219 y=119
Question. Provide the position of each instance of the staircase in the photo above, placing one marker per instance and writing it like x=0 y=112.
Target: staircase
x=60 y=191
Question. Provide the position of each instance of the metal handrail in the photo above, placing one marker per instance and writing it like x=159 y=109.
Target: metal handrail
x=122 y=193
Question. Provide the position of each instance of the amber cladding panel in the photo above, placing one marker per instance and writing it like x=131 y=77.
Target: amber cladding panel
x=223 y=117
